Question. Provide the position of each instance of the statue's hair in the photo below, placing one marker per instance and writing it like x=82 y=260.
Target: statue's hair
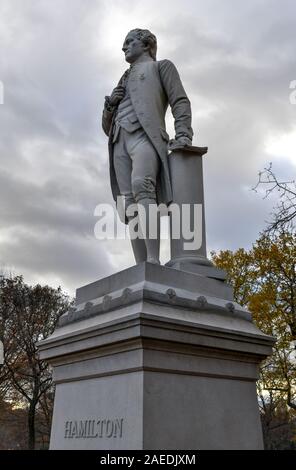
x=148 y=39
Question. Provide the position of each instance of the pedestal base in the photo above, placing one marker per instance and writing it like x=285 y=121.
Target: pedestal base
x=152 y=359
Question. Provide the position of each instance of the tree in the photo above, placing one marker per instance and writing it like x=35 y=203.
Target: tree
x=13 y=435
x=284 y=213
x=264 y=280
x=29 y=314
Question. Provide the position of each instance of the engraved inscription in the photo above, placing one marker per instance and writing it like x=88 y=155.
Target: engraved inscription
x=94 y=428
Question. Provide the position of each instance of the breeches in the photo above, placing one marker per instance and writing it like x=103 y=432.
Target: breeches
x=136 y=165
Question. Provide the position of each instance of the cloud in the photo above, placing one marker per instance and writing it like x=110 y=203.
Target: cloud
x=61 y=57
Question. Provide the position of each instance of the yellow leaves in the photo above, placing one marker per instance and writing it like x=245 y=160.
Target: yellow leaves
x=264 y=279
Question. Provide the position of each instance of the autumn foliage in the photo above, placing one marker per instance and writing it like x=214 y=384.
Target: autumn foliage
x=264 y=280
x=27 y=315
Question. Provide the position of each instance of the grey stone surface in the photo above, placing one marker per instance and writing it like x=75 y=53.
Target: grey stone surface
x=99 y=413
x=186 y=170
x=151 y=374
x=147 y=281
x=207 y=271
x=160 y=276
x=212 y=413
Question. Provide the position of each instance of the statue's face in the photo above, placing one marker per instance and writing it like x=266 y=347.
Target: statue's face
x=133 y=48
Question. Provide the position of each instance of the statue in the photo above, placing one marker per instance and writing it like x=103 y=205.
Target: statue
x=134 y=121
x=187 y=302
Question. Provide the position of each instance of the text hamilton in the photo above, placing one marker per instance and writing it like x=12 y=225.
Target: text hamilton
x=94 y=428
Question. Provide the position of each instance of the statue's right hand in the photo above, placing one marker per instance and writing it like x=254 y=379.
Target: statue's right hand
x=117 y=95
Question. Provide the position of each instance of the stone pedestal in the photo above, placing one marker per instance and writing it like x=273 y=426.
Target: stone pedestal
x=156 y=358
x=186 y=170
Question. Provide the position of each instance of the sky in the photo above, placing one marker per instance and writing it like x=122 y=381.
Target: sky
x=59 y=58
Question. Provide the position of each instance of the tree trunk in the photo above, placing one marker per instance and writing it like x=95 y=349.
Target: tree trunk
x=31 y=425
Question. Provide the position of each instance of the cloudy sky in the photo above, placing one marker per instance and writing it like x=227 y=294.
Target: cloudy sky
x=58 y=60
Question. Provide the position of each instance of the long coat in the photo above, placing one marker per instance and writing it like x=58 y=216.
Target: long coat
x=153 y=86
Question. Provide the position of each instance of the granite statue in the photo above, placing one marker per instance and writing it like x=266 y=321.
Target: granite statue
x=134 y=120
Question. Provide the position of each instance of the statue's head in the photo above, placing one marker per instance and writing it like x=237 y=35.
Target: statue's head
x=139 y=42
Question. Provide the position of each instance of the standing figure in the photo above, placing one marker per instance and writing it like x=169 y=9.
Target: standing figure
x=134 y=121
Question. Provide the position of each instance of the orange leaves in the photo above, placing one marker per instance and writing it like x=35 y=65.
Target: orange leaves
x=264 y=280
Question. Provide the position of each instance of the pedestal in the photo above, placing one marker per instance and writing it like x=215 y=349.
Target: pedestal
x=156 y=358
x=186 y=170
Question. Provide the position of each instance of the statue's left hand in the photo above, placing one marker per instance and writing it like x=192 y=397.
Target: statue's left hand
x=179 y=143
x=184 y=140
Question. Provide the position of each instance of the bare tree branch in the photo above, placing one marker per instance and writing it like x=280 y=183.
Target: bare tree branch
x=284 y=213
